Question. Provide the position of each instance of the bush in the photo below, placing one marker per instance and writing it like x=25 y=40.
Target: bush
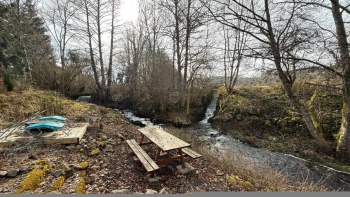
x=8 y=81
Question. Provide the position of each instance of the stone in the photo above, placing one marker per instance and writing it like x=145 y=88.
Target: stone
x=58 y=173
x=104 y=137
x=151 y=191
x=188 y=168
x=77 y=167
x=153 y=179
x=23 y=168
x=95 y=167
x=78 y=147
x=12 y=172
x=163 y=191
x=120 y=191
x=219 y=173
x=63 y=152
x=3 y=173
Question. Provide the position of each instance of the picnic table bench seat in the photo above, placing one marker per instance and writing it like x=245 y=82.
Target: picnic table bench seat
x=145 y=159
x=191 y=153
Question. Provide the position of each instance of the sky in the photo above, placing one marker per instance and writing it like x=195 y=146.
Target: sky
x=129 y=10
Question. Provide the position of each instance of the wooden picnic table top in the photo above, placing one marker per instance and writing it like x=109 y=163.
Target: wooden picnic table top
x=163 y=139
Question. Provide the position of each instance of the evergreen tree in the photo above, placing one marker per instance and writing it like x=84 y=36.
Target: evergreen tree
x=25 y=49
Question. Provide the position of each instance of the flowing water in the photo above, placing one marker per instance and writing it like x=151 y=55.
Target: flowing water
x=298 y=169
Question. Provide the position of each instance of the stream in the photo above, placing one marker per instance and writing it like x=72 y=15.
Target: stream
x=298 y=169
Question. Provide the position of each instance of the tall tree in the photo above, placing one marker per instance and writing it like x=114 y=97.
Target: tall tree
x=343 y=145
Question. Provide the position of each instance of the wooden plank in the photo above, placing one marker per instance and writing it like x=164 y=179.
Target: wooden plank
x=162 y=139
x=191 y=153
x=77 y=132
x=143 y=156
x=146 y=156
x=140 y=156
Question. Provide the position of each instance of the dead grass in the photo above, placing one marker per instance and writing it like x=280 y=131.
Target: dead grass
x=17 y=106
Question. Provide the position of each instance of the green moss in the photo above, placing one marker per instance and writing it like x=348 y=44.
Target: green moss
x=57 y=184
x=233 y=179
x=121 y=137
x=33 y=179
x=84 y=164
x=101 y=144
x=80 y=188
x=95 y=152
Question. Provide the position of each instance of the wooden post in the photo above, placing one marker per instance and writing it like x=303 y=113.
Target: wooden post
x=157 y=155
x=182 y=158
x=141 y=140
x=168 y=154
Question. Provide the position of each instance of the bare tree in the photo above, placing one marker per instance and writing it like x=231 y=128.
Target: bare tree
x=233 y=55
x=59 y=18
x=100 y=19
x=274 y=25
x=343 y=148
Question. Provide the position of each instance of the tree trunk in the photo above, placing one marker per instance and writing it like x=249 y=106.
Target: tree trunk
x=109 y=71
x=343 y=143
x=92 y=59
x=102 y=90
x=178 y=54
x=187 y=45
x=287 y=84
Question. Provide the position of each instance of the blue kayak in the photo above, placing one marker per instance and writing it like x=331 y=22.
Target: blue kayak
x=45 y=125
x=59 y=118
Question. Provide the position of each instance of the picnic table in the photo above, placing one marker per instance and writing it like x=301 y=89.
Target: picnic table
x=165 y=143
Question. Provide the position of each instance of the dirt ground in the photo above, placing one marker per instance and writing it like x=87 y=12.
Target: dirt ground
x=111 y=167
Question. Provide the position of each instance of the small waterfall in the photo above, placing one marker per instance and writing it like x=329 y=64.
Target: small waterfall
x=209 y=113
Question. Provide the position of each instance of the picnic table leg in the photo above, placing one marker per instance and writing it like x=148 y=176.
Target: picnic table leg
x=157 y=154
x=168 y=154
x=141 y=140
x=182 y=158
x=151 y=175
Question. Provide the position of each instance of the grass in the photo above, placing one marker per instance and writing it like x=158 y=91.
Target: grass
x=17 y=106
